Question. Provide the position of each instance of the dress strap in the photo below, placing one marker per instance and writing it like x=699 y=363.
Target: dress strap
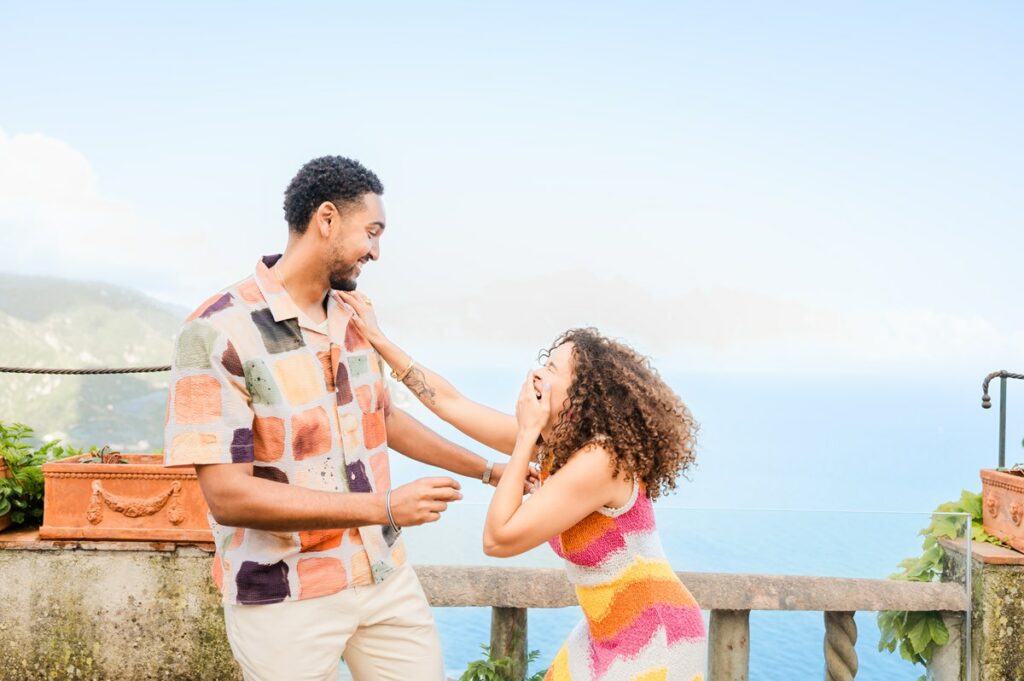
x=615 y=512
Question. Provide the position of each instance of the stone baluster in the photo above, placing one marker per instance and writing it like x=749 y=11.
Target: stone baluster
x=508 y=639
x=729 y=642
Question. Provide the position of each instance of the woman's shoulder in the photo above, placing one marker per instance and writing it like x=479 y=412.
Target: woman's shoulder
x=593 y=460
x=597 y=450
x=596 y=461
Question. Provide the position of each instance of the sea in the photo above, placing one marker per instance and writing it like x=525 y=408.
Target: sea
x=806 y=475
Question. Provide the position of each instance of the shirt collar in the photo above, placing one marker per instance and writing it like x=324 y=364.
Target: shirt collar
x=281 y=304
x=283 y=307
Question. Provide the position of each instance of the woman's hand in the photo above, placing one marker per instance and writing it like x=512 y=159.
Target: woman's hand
x=534 y=405
x=365 y=318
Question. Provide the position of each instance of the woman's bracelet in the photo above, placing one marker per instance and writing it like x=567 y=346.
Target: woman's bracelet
x=391 y=518
x=401 y=377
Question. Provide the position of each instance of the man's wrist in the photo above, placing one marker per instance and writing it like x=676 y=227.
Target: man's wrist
x=380 y=509
x=390 y=514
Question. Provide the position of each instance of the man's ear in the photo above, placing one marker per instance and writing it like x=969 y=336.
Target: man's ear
x=325 y=218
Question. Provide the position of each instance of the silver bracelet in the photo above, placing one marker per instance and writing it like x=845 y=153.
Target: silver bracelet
x=486 y=477
x=391 y=518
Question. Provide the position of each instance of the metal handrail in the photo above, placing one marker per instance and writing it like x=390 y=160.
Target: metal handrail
x=986 y=403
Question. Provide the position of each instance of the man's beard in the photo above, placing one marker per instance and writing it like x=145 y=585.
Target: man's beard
x=342 y=280
x=343 y=283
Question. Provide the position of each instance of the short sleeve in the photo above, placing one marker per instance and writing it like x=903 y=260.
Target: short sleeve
x=209 y=411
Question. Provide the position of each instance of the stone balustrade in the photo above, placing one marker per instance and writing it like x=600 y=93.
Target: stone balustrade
x=138 y=610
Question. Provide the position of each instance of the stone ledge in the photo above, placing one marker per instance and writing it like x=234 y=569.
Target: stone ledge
x=512 y=587
x=27 y=539
x=462 y=586
x=986 y=553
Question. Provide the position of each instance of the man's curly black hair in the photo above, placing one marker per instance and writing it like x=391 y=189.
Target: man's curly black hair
x=328 y=178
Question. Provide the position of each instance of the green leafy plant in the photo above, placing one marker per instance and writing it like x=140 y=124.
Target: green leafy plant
x=105 y=455
x=21 y=494
x=497 y=669
x=918 y=634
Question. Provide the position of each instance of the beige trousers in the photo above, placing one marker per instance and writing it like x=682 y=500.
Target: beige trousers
x=386 y=633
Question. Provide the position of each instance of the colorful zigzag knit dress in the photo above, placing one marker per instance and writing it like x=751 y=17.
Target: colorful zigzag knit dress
x=641 y=623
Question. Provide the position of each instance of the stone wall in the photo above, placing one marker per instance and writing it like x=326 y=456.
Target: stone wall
x=997 y=608
x=144 y=611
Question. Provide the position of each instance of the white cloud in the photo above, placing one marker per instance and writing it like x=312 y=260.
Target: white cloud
x=36 y=167
x=49 y=206
x=54 y=220
x=712 y=329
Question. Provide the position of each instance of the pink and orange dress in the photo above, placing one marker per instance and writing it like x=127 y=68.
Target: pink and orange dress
x=640 y=622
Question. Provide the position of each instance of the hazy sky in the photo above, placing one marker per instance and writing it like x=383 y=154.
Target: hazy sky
x=730 y=185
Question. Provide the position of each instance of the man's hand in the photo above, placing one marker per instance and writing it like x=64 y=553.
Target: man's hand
x=530 y=485
x=423 y=501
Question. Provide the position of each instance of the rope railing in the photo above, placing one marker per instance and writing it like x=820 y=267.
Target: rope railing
x=84 y=372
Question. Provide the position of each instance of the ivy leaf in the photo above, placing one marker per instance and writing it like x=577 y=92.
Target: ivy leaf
x=924 y=568
x=939 y=632
x=907 y=563
x=947 y=526
x=906 y=652
x=920 y=636
x=971 y=503
x=887 y=627
x=933 y=556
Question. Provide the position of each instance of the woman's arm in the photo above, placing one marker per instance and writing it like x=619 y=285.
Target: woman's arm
x=482 y=423
x=583 y=485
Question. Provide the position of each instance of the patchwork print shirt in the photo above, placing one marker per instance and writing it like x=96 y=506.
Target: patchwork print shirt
x=255 y=381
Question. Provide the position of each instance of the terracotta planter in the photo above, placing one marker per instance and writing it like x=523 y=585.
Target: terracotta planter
x=5 y=519
x=1002 y=500
x=141 y=499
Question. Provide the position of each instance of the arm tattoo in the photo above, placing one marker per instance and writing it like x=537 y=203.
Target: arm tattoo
x=416 y=381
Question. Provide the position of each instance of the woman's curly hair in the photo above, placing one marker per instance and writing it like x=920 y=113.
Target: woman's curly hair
x=618 y=398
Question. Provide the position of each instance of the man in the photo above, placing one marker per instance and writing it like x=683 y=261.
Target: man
x=283 y=408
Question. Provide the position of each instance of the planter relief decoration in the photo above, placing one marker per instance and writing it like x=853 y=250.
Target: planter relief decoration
x=134 y=497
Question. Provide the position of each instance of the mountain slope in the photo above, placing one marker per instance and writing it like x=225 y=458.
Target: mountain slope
x=51 y=322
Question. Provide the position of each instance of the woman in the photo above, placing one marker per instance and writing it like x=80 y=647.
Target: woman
x=610 y=437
